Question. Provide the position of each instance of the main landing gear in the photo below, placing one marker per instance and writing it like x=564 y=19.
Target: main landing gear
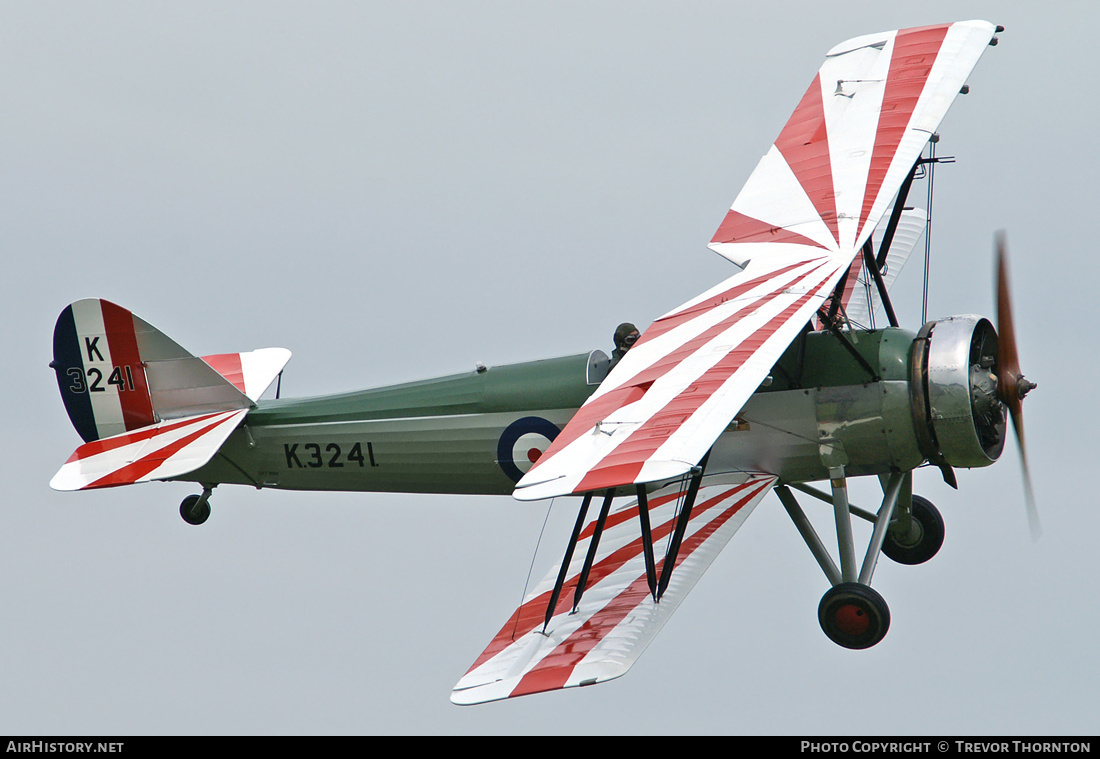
x=907 y=528
x=195 y=509
x=853 y=615
x=917 y=540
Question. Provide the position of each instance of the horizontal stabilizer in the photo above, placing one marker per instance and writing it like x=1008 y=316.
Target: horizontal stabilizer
x=252 y=373
x=158 y=452
x=617 y=616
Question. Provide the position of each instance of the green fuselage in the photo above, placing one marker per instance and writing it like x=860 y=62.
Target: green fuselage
x=476 y=432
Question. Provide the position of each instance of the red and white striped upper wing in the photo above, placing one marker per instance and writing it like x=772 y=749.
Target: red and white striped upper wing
x=843 y=154
x=795 y=228
x=616 y=618
x=674 y=393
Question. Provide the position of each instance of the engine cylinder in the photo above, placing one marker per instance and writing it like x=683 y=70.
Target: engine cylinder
x=956 y=413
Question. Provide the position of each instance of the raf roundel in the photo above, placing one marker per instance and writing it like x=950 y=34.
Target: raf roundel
x=521 y=444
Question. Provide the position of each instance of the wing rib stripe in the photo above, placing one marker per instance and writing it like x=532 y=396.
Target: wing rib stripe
x=915 y=50
x=624 y=463
x=739 y=290
x=737 y=227
x=600 y=406
x=804 y=145
x=119 y=441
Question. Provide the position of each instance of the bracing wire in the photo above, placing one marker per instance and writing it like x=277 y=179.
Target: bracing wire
x=531 y=568
x=871 y=303
x=680 y=499
x=928 y=231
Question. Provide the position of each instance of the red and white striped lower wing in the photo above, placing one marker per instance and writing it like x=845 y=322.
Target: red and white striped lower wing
x=158 y=452
x=617 y=617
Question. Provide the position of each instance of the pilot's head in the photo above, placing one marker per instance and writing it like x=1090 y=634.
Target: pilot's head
x=626 y=334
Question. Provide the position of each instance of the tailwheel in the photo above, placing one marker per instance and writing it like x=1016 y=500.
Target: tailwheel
x=853 y=615
x=195 y=509
x=923 y=538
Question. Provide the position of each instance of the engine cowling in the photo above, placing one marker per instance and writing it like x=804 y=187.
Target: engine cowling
x=958 y=418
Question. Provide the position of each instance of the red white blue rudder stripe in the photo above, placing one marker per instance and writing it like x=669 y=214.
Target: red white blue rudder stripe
x=100 y=371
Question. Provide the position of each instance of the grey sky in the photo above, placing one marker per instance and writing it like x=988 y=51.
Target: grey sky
x=396 y=190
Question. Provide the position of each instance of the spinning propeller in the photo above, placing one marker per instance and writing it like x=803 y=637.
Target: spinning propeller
x=1012 y=386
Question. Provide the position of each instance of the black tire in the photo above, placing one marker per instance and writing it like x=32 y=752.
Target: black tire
x=191 y=514
x=924 y=540
x=853 y=616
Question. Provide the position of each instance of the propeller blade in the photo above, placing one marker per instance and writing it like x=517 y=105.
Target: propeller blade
x=1011 y=385
x=1029 y=494
x=1008 y=361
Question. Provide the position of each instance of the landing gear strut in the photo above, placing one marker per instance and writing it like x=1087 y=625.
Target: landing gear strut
x=195 y=509
x=851 y=613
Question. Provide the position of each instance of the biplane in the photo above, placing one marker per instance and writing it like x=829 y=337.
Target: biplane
x=771 y=381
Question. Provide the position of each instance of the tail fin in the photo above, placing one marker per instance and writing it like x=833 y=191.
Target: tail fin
x=117 y=373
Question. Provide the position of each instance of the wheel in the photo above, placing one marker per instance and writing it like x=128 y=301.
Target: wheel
x=924 y=539
x=853 y=615
x=192 y=512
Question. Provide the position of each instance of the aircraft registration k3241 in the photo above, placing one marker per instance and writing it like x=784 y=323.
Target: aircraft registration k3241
x=773 y=379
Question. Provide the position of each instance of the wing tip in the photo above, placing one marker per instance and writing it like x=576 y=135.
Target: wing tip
x=515 y=687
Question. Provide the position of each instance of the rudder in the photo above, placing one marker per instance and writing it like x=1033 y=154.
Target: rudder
x=99 y=370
